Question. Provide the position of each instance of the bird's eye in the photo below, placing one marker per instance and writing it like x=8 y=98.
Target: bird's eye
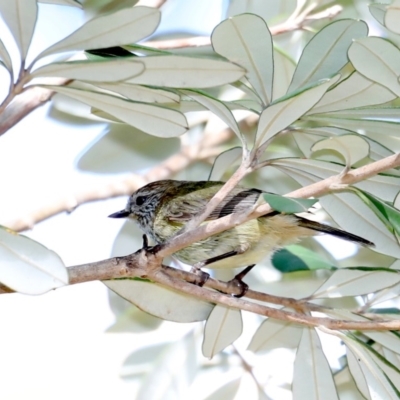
x=140 y=200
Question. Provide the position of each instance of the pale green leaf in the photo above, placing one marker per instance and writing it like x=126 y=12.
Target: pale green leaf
x=246 y=40
x=227 y=390
x=156 y=120
x=370 y=379
x=5 y=57
x=353 y=148
x=161 y=302
x=390 y=368
x=378 y=12
x=223 y=327
x=326 y=53
x=225 y=161
x=27 y=266
x=72 y=3
x=355 y=91
x=141 y=93
x=288 y=205
x=114 y=5
x=347 y=209
x=186 y=72
x=378 y=60
x=218 y=108
x=283 y=73
x=20 y=16
x=125 y=26
x=392 y=16
x=273 y=334
x=349 y=282
x=172 y=373
x=98 y=71
x=386 y=339
x=312 y=376
x=282 y=113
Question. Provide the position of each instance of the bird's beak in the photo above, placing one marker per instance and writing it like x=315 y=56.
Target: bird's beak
x=120 y=214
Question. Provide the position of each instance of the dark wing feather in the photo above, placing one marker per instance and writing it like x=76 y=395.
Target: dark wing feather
x=185 y=207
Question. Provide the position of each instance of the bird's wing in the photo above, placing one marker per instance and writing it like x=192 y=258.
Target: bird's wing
x=184 y=208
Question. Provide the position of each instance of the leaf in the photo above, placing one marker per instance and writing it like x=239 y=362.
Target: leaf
x=218 y=108
x=20 y=16
x=156 y=120
x=288 y=205
x=186 y=72
x=141 y=93
x=223 y=326
x=27 y=266
x=298 y=258
x=386 y=339
x=124 y=26
x=312 y=376
x=283 y=73
x=353 y=148
x=161 y=302
x=383 y=64
x=5 y=57
x=246 y=40
x=273 y=334
x=224 y=161
x=378 y=12
x=227 y=390
x=101 y=71
x=349 y=282
x=392 y=16
x=355 y=91
x=280 y=114
x=72 y=3
x=326 y=53
x=388 y=214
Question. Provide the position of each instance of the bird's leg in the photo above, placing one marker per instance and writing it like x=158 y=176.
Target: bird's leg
x=237 y=282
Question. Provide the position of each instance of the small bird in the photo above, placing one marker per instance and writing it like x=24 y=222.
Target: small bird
x=163 y=208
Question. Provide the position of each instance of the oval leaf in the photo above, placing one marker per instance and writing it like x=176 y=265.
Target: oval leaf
x=161 y=302
x=27 y=266
x=326 y=53
x=356 y=91
x=288 y=205
x=281 y=114
x=100 y=71
x=5 y=57
x=223 y=327
x=246 y=40
x=283 y=73
x=378 y=12
x=353 y=148
x=224 y=161
x=186 y=72
x=156 y=120
x=20 y=16
x=383 y=64
x=392 y=16
x=312 y=376
x=122 y=27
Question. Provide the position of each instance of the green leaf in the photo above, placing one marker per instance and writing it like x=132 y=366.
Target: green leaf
x=280 y=114
x=218 y=108
x=72 y=3
x=186 y=72
x=378 y=12
x=283 y=73
x=297 y=258
x=392 y=16
x=224 y=161
x=5 y=57
x=353 y=148
x=27 y=266
x=100 y=71
x=288 y=205
x=246 y=40
x=326 y=53
x=355 y=91
x=223 y=327
x=312 y=376
x=124 y=26
x=383 y=64
x=388 y=214
x=20 y=16
x=156 y=120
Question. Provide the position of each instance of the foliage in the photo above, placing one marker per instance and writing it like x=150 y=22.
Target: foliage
x=334 y=112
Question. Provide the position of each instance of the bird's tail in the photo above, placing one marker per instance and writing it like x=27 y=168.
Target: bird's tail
x=316 y=226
